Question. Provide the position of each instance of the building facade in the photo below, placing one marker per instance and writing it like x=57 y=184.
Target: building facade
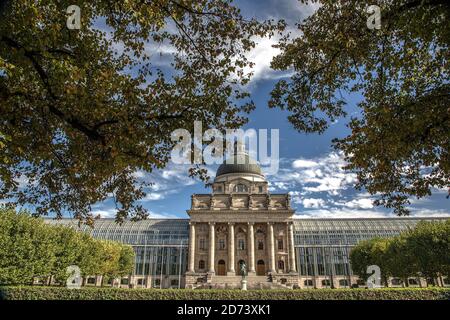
x=241 y=223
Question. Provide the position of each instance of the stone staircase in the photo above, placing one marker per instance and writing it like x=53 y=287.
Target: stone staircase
x=234 y=282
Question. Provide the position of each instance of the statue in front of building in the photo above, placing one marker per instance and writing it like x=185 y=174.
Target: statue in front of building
x=243 y=270
x=243 y=274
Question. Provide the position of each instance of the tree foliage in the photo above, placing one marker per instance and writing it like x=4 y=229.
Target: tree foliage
x=423 y=251
x=31 y=248
x=399 y=142
x=429 y=244
x=84 y=109
x=370 y=252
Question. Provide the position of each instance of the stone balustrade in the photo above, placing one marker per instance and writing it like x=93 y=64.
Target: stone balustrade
x=240 y=202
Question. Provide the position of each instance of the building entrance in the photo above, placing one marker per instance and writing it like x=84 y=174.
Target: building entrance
x=260 y=268
x=221 y=270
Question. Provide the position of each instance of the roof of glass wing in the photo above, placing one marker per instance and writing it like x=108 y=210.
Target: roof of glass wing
x=150 y=231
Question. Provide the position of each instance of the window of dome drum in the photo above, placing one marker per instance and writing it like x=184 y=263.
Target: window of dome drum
x=240 y=188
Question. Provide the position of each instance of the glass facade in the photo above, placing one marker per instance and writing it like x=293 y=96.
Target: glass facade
x=322 y=245
x=160 y=245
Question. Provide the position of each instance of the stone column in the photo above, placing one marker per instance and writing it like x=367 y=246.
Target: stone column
x=211 y=246
x=271 y=247
x=192 y=241
x=231 y=271
x=251 y=248
x=291 y=248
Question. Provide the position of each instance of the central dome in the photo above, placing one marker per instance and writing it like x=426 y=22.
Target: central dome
x=241 y=163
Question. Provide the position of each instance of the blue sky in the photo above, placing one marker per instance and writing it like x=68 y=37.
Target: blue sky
x=310 y=169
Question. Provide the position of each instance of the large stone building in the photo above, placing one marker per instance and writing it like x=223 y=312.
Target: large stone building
x=240 y=222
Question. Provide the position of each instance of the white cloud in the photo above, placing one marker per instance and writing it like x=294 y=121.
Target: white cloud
x=302 y=163
x=320 y=174
x=153 y=196
x=344 y=213
x=139 y=174
x=424 y=212
x=364 y=203
x=313 y=203
x=279 y=186
x=262 y=56
x=105 y=213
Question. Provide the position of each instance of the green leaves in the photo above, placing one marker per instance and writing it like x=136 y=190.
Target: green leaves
x=31 y=248
x=86 y=108
x=423 y=251
x=399 y=142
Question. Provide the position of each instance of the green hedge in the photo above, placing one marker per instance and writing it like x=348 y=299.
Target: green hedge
x=59 y=293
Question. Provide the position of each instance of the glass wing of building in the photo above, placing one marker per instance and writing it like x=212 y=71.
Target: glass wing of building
x=322 y=245
x=160 y=245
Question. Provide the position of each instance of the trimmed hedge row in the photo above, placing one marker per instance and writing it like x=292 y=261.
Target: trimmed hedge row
x=59 y=293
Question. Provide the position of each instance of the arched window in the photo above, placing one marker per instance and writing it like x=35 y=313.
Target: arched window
x=281 y=265
x=308 y=283
x=240 y=188
x=201 y=264
x=326 y=283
